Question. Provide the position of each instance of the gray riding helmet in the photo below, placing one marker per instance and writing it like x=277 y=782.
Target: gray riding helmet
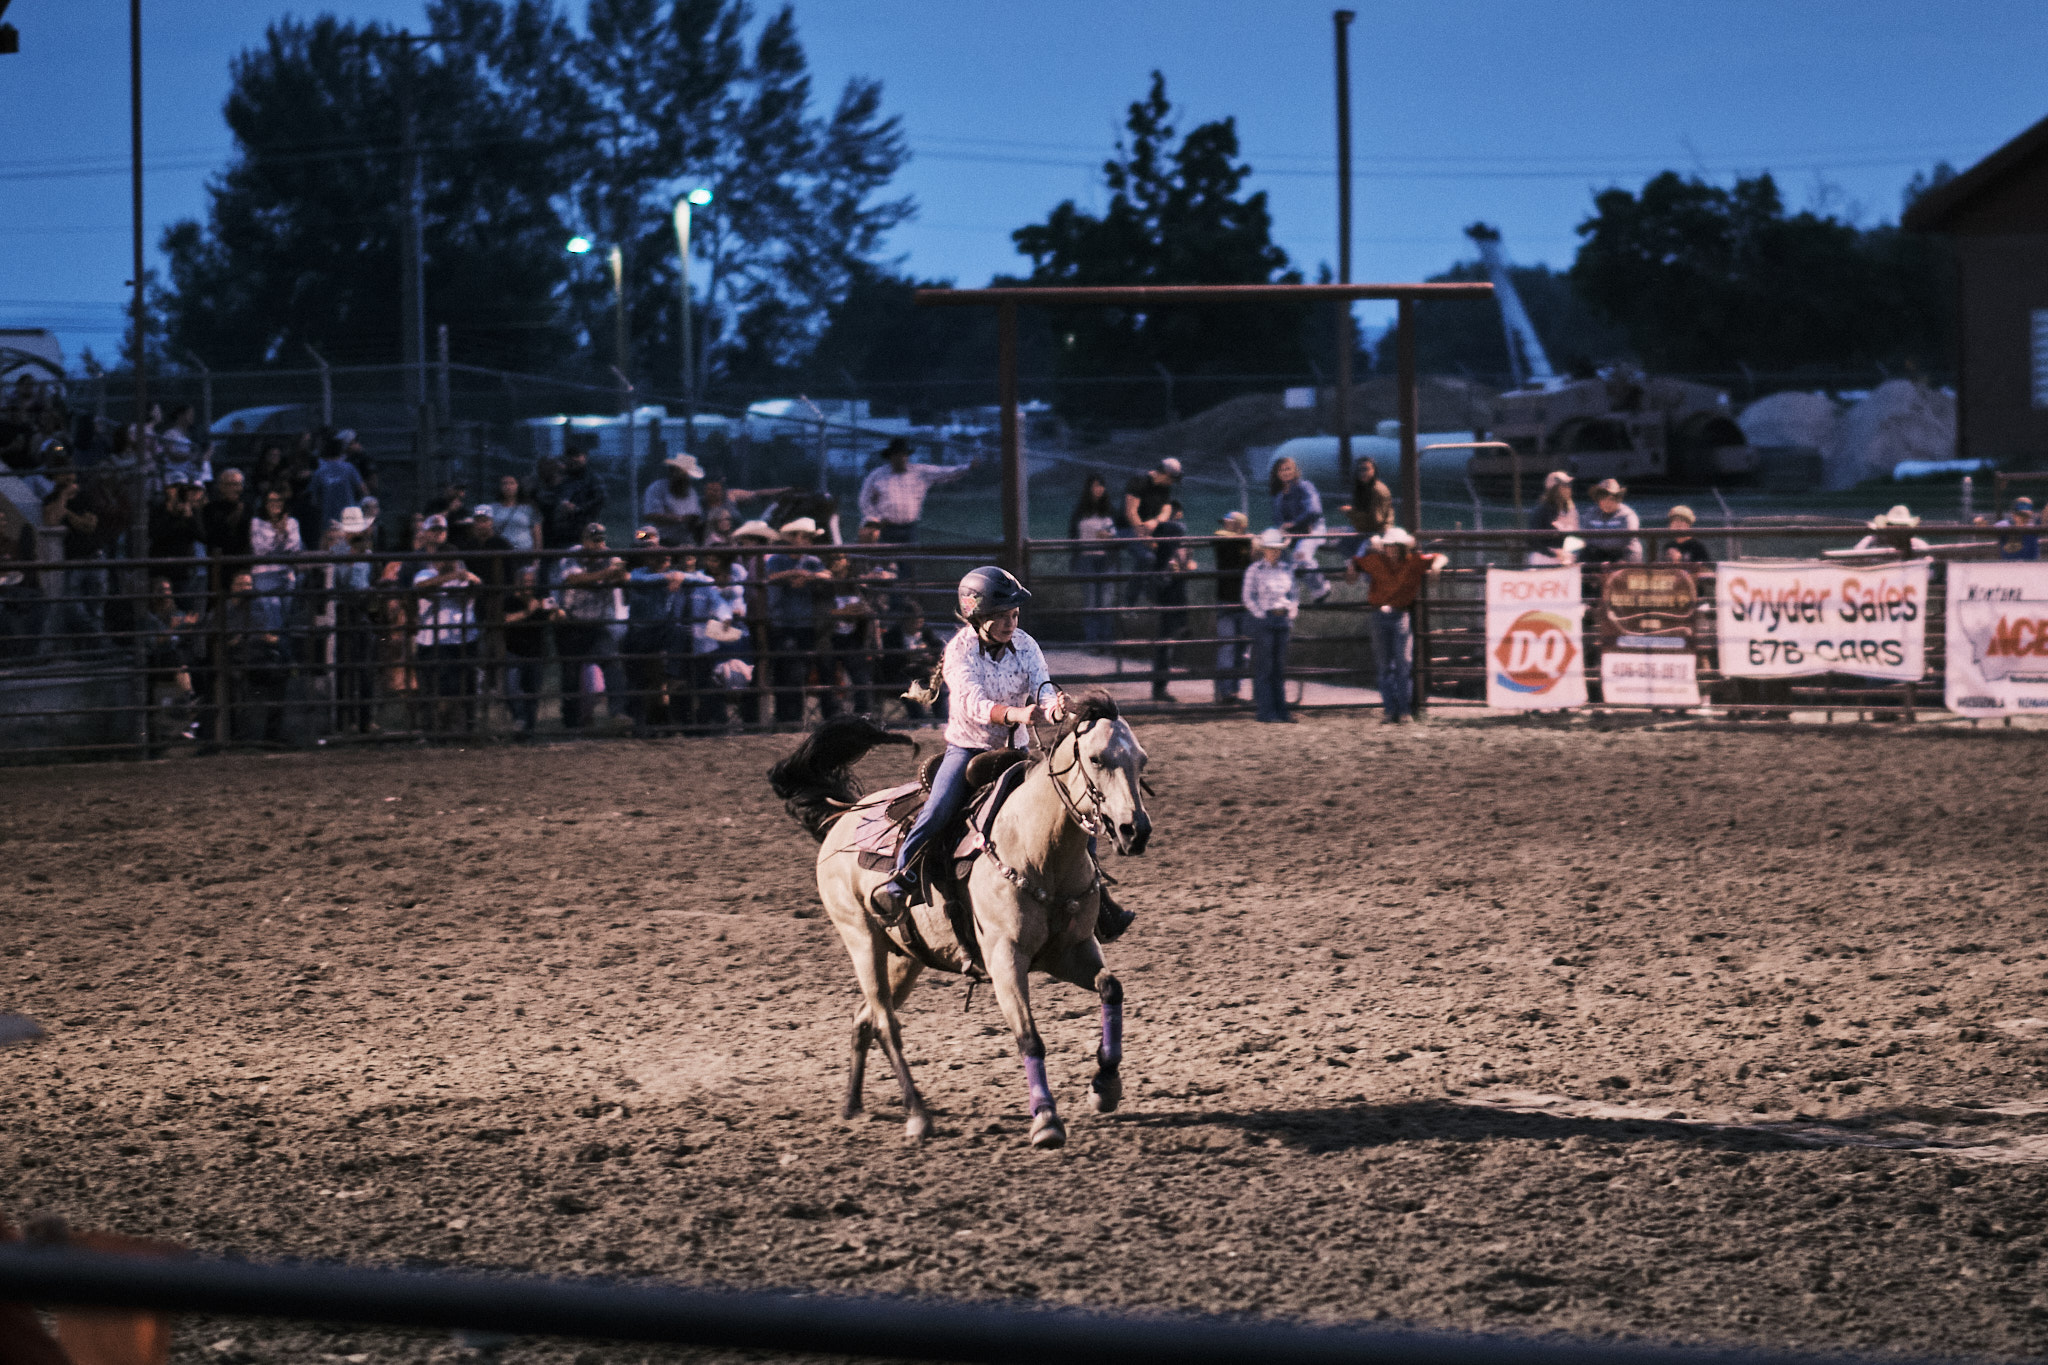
x=990 y=590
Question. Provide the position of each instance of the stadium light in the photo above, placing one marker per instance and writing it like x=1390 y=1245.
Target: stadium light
x=699 y=196
x=579 y=246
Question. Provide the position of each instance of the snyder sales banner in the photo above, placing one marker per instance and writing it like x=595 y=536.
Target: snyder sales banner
x=1534 y=661
x=1997 y=638
x=1796 y=620
x=1646 y=636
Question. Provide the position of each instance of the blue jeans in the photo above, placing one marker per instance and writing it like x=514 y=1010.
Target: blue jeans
x=1393 y=639
x=949 y=793
x=1269 y=665
x=1233 y=632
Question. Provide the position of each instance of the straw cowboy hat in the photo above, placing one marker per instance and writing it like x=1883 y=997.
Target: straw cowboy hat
x=757 y=528
x=353 y=522
x=685 y=465
x=1393 y=535
x=1898 y=516
x=1272 y=538
x=801 y=526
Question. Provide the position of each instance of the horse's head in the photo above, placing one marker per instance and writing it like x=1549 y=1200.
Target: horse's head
x=1106 y=773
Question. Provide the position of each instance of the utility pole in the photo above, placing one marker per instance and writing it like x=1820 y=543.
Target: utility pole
x=1344 y=345
x=619 y=340
x=412 y=300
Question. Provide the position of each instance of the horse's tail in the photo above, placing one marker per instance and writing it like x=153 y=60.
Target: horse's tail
x=815 y=781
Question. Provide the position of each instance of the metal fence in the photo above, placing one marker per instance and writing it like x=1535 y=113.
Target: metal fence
x=490 y=1307
x=147 y=657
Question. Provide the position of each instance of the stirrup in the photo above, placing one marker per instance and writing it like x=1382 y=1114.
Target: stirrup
x=891 y=902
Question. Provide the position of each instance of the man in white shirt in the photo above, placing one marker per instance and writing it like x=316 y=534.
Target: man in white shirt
x=670 y=505
x=892 y=496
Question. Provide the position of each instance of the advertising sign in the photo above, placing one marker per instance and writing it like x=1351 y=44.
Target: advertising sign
x=1798 y=619
x=1997 y=638
x=1646 y=636
x=1534 y=661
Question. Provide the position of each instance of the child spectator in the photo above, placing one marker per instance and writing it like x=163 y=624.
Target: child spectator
x=1233 y=557
x=1272 y=600
x=1683 y=549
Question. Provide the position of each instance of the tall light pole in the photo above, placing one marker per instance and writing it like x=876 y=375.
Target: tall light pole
x=697 y=198
x=580 y=245
x=1343 y=18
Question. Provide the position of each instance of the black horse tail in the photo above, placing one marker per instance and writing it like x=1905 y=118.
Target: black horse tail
x=816 y=782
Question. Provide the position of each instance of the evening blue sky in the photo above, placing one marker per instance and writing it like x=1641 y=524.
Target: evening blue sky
x=1463 y=110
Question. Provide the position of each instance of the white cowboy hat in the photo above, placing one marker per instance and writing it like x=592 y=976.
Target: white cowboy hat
x=686 y=465
x=754 y=528
x=1393 y=535
x=1272 y=538
x=803 y=525
x=353 y=522
x=1898 y=516
x=722 y=631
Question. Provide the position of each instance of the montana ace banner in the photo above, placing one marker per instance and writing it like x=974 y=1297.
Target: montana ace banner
x=1795 y=620
x=1997 y=637
x=1534 y=657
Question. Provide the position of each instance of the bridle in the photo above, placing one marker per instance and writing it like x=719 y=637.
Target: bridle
x=1093 y=818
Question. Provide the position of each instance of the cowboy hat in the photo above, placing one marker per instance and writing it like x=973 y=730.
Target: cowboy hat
x=1609 y=488
x=722 y=631
x=800 y=526
x=1393 y=535
x=1900 y=515
x=1272 y=538
x=353 y=522
x=1682 y=513
x=685 y=465
x=754 y=528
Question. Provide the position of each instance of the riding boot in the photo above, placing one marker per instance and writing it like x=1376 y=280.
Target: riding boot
x=891 y=900
x=1111 y=919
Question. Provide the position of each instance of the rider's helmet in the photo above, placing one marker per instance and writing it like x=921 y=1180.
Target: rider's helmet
x=990 y=591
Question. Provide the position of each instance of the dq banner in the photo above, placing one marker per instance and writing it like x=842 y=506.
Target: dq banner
x=1533 y=658
x=1793 y=620
x=1646 y=636
x=1997 y=638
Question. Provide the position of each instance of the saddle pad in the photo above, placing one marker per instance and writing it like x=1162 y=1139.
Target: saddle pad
x=880 y=829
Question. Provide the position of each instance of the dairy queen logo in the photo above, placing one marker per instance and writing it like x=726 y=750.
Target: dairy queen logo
x=1535 y=653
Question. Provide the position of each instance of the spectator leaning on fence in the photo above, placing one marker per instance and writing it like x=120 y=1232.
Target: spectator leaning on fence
x=1093 y=522
x=2021 y=547
x=653 y=588
x=1394 y=571
x=892 y=496
x=1233 y=640
x=1607 y=528
x=795 y=579
x=1272 y=599
x=1146 y=499
x=1172 y=567
x=574 y=502
x=1556 y=514
x=446 y=641
x=1684 y=548
x=583 y=634
x=514 y=516
x=528 y=615
x=670 y=503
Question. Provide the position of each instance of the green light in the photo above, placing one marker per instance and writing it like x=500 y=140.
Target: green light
x=578 y=245
x=699 y=196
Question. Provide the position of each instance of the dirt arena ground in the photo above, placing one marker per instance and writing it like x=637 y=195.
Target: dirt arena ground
x=1667 y=1036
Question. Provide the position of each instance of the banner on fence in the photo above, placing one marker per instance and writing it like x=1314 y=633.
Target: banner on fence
x=1796 y=620
x=1646 y=636
x=1534 y=661
x=1997 y=635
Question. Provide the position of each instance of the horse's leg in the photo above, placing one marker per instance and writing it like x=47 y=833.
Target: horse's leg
x=1007 y=970
x=1081 y=965
x=880 y=986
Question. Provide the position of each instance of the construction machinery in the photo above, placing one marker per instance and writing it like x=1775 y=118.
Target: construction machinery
x=1616 y=424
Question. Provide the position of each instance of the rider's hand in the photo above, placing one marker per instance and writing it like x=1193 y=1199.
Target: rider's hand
x=1056 y=710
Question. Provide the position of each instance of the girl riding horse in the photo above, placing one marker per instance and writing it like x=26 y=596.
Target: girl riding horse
x=1000 y=686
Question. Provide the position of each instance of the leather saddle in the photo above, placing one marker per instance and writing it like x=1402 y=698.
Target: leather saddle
x=992 y=777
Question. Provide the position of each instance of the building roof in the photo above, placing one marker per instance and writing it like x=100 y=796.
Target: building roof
x=1941 y=208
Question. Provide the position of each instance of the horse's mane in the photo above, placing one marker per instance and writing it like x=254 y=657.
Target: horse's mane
x=1081 y=713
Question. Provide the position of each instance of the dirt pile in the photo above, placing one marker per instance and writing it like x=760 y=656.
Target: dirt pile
x=1674 y=1036
x=1901 y=419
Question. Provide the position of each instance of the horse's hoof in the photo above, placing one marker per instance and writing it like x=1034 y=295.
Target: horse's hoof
x=1106 y=1092
x=1047 y=1132
x=917 y=1128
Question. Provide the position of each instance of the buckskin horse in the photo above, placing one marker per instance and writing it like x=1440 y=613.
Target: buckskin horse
x=1020 y=894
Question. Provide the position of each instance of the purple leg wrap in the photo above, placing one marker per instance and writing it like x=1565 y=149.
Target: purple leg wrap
x=1041 y=1094
x=1112 y=1032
